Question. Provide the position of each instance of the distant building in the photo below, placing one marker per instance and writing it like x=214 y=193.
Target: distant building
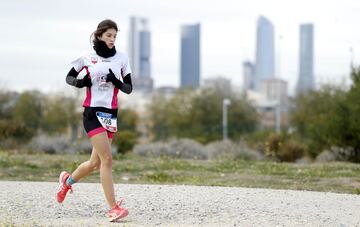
x=271 y=103
x=139 y=54
x=249 y=75
x=265 y=54
x=306 y=59
x=190 y=56
x=274 y=90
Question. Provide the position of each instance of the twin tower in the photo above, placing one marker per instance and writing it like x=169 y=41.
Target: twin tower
x=140 y=50
x=190 y=62
x=264 y=67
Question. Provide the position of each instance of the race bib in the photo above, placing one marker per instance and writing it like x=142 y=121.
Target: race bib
x=108 y=121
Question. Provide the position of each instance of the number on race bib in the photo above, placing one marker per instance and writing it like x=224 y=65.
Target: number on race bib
x=108 y=121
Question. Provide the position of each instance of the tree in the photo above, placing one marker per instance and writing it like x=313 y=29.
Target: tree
x=352 y=132
x=7 y=103
x=59 y=113
x=17 y=114
x=127 y=120
x=198 y=115
x=320 y=118
x=159 y=125
x=178 y=115
x=28 y=109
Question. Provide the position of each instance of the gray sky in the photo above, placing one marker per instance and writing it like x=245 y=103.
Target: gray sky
x=39 y=38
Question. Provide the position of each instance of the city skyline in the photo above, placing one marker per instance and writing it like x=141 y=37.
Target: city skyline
x=190 y=52
x=39 y=42
x=265 y=52
x=249 y=75
x=139 y=51
x=306 y=63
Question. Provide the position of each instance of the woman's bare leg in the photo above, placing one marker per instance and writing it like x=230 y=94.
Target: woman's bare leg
x=102 y=146
x=87 y=167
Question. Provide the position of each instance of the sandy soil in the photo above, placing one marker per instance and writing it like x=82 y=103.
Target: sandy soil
x=34 y=204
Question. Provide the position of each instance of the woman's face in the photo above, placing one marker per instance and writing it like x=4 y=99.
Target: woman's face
x=109 y=37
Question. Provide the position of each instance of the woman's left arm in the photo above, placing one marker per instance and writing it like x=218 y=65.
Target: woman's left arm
x=125 y=87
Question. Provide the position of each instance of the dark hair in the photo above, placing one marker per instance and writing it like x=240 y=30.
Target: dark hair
x=102 y=27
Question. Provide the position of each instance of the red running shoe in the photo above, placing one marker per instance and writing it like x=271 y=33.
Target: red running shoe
x=63 y=187
x=116 y=213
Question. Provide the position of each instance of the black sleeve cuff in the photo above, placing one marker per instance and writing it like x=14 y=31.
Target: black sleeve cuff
x=71 y=77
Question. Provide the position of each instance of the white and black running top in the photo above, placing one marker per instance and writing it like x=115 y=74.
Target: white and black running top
x=102 y=93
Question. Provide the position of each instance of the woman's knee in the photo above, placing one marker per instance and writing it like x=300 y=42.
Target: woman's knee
x=101 y=144
x=107 y=160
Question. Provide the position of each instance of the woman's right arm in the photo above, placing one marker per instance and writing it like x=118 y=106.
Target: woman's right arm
x=71 y=77
x=72 y=80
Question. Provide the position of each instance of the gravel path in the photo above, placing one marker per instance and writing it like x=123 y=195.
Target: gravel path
x=33 y=204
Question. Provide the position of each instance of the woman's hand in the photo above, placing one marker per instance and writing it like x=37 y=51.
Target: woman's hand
x=84 y=82
x=110 y=77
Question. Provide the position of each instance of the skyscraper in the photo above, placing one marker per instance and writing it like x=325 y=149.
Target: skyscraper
x=249 y=75
x=190 y=56
x=144 y=64
x=306 y=56
x=139 y=53
x=265 y=56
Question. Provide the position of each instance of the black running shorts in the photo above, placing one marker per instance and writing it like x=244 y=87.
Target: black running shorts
x=91 y=123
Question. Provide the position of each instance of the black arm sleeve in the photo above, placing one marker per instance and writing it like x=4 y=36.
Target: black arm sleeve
x=127 y=84
x=71 y=77
x=125 y=87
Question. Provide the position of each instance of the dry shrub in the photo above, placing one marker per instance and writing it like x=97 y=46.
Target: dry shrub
x=235 y=151
x=177 y=148
x=190 y=149
x=338 y=154
x=283 y=149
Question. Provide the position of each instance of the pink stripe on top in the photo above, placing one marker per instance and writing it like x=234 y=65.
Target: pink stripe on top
x=114 y=102
x=87 y=100
x=96 y=131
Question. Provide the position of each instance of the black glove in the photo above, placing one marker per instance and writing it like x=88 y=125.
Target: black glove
x=84 y=82
x=124 y=87
x=111 y=77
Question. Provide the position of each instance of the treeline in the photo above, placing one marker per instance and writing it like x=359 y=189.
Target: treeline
x=31 y=113
x=330 y=118
x=22 y=115
x=324 y=123
x=198 y=115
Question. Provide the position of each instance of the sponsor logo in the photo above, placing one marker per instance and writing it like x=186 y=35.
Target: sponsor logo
x=94 y=60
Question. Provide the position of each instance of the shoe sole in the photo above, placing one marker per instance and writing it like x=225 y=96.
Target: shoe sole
x=122 y=215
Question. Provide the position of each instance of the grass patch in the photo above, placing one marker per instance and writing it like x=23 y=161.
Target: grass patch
x=130 y=168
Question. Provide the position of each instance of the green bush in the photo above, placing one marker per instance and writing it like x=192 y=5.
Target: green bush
x=14 y=129
x=255 y=140
x=125 y=141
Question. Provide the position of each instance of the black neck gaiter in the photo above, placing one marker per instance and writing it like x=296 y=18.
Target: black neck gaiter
x=102 y=50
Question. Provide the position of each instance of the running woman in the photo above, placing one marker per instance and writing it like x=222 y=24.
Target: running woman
x=107 y=72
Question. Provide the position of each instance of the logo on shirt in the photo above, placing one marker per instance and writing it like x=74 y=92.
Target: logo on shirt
x=94 y=60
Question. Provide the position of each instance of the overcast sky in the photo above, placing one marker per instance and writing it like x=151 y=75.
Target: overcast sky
x=39 y=38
